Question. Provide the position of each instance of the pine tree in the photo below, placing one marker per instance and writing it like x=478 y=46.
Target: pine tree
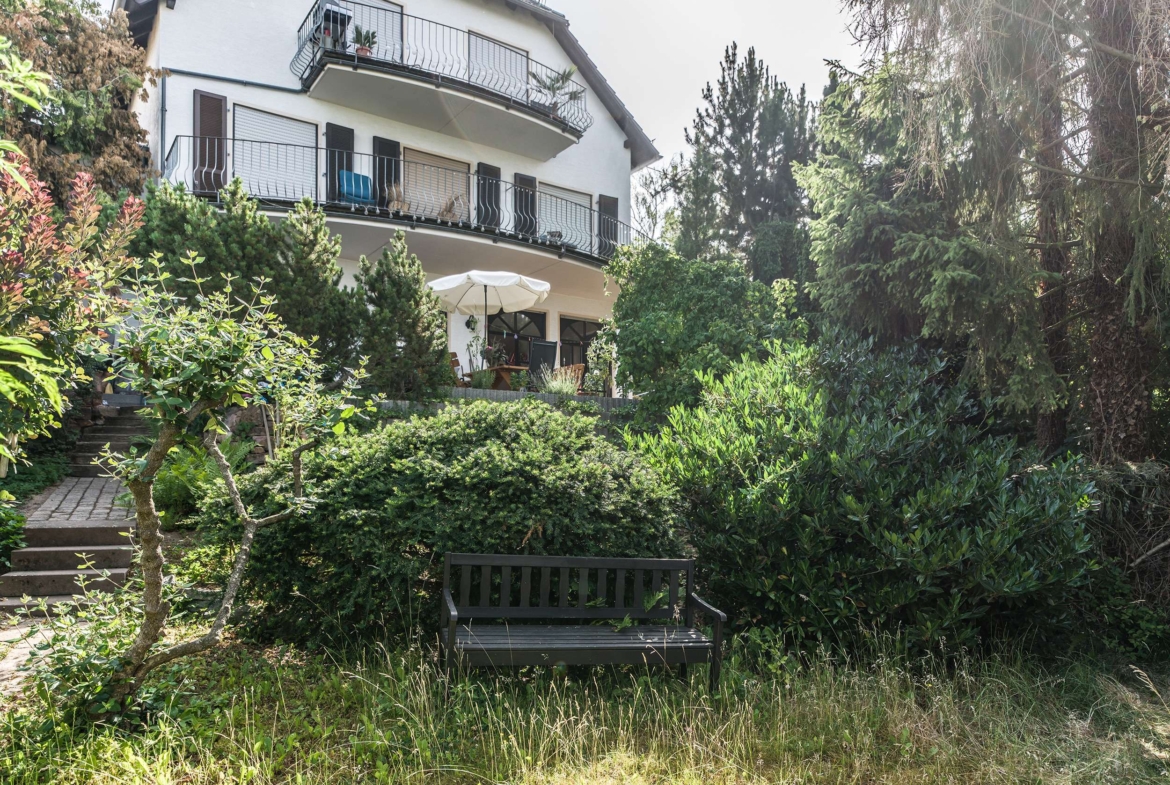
x=311 y=300
x=403 y=333
x=299 y=258
x=744 y=141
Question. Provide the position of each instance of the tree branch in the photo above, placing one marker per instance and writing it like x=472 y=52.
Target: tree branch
x=1149 y=553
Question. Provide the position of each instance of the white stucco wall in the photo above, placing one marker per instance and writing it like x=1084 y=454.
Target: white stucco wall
x=255 y=40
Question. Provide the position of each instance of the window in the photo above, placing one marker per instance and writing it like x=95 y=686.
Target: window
x=576 y=335
x=515 y=331
x=566 y=217
x=437 y=187
x=275 y=156
x=498 y=67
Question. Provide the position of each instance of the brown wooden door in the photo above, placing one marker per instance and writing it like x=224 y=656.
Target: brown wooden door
x=209 y=156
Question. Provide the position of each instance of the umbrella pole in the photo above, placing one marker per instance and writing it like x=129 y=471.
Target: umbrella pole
x=486 y=338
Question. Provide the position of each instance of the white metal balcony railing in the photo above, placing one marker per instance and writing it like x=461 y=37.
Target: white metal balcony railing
x=430 y=50
x=393 y=188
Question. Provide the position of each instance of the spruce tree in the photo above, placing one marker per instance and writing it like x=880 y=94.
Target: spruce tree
x=311 y=301
x=747 y=135
x=403 y=333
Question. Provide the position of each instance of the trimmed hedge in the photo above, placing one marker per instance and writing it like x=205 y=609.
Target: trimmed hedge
x=485 y=477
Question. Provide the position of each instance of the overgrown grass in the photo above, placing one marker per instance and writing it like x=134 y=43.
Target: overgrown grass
x=277 y=715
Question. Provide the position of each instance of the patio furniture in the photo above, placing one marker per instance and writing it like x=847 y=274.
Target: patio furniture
x=658 y=594
x=457 y=369
x=541 y=355
x=575 y=372
x=503 y=377
x=355 y=188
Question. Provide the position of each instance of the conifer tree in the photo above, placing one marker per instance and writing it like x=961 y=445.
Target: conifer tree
x=746 y=137
x=403 y=335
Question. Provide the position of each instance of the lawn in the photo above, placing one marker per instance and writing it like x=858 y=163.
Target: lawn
x=277 y=715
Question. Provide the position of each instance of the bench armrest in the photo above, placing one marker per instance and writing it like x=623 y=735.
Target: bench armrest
x=706 y=607
x=718 y=617
x=450 y=617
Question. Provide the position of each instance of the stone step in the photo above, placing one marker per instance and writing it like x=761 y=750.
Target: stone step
x=55 y=604
x=86 y=470
x=69 y=557
x=97 y=443
x=43 y=583
x=77 y=533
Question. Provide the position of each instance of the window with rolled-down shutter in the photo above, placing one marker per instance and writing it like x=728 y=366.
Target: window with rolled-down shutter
x=565 y=216
x=275 y=156
x=437 y=187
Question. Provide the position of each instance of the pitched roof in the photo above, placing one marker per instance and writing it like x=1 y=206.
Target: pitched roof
x=642 y=149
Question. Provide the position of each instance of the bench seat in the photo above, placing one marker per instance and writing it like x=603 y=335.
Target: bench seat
x=501 y=645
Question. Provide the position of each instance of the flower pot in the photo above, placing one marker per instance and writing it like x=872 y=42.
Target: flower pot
x=364 y=51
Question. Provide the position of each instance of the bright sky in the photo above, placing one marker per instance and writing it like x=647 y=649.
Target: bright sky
x=658 y=54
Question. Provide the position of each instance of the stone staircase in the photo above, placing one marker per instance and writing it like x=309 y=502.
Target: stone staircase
x=76 y=522
x=118 y=431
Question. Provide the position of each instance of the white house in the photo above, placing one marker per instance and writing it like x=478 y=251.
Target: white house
x=450 y=119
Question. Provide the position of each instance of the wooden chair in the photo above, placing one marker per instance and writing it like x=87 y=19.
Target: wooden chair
x=574 y=372
x=457 y=369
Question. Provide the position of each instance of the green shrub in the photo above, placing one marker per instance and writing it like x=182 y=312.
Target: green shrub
x=486 y=477
x=11 y=535
x=188 y=474
x=832 y=490
x=1127 y=604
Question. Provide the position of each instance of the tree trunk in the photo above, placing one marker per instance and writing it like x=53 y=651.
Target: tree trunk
x=1052 y=234
x=1118 y=397
x=148 y=530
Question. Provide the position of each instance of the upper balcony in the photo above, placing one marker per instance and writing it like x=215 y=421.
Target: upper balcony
x=445 y=202
x=378 y=60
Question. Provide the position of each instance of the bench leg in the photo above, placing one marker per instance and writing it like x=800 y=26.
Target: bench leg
x=682 y=671
x=716 y=668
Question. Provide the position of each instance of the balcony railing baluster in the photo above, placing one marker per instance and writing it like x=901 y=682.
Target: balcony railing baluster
x=420 y=46
x=392 y=188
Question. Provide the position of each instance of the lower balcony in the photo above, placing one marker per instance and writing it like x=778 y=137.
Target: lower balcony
x=384 y=189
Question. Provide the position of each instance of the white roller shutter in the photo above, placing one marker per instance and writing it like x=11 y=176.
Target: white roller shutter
x=567 y=212
x=275 y=156
x=498 y=67
x=437 y=187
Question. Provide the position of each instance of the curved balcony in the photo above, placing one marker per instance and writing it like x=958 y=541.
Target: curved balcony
x=379 y=60
x=377 y=188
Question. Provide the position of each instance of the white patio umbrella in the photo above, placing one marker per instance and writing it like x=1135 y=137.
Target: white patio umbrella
x=480 y=292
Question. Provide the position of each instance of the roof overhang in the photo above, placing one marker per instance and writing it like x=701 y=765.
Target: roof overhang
x=141 y=14
x=642 y=149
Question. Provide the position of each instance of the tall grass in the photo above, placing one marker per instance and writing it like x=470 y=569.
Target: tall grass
x=279 y=716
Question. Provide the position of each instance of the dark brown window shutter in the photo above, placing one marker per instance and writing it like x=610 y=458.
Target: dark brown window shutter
x=388 y=172
x=338 y=156
x=210 y=115
x=607 y=225
x=488 y=209
x=209 y=156
x=524 y=204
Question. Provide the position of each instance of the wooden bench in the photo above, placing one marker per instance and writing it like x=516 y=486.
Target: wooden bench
x=657 y=594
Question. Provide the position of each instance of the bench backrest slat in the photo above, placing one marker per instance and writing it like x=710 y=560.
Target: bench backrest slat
x=569 y=587
x=545 y=579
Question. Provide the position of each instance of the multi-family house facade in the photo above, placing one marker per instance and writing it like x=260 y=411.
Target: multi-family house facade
x=481 y=128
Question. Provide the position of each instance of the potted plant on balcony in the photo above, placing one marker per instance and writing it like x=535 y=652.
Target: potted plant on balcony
x=364 y=41
x=557 y=88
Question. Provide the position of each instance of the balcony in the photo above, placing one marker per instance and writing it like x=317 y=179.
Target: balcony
x=376 y=188
x=437 y=77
